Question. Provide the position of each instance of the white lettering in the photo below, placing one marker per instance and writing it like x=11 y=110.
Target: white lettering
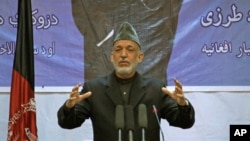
x=240 y=132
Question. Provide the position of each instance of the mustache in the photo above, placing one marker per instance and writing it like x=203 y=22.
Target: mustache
x=123 y=60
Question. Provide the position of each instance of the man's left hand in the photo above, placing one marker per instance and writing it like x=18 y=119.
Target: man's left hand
x=177 y=94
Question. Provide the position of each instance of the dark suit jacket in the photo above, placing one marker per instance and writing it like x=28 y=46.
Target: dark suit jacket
x=100 y=108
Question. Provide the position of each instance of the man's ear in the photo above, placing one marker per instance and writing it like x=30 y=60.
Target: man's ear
x=140 y=57
x=111 y=57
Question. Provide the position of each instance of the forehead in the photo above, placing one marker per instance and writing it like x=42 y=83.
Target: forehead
x=125 y=43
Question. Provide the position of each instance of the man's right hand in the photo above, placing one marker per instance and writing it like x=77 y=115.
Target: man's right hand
x=75 y=96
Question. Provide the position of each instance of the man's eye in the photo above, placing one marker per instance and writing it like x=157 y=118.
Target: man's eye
x=131 y=49
x=117 y=50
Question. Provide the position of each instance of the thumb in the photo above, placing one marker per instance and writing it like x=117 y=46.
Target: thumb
x=168 y=92
x=85 y=95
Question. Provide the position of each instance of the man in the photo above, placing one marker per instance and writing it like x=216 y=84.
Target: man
x=125 y=86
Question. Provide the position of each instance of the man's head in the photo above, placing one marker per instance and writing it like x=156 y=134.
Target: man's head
x=126 y=52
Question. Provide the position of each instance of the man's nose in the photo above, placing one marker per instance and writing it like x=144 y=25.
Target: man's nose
x=124 y=53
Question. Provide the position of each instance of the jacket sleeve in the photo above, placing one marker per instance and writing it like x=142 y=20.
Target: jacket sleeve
x=176 y=115
x=66 y=117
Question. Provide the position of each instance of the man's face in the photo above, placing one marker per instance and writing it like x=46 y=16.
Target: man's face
x=125 y=57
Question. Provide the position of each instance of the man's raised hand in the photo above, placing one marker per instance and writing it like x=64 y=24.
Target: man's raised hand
x=76 y=97
x=177 y=94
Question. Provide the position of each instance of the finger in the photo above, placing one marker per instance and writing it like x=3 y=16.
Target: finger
x=177 y=83
x=75 y=90
x=178 y=90
x=74 y=94
x=165 y=90
x=76 y=87
x=85 y=95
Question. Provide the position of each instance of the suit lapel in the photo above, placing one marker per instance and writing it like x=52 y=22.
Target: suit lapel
x=113 y=91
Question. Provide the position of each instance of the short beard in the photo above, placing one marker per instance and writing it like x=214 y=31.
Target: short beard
x=125 y=70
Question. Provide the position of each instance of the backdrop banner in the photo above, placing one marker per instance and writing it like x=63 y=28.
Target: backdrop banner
x=200 y=42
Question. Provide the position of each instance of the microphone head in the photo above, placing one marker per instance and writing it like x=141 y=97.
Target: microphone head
x=119 y=117
x=142 y=116
x=129 y=117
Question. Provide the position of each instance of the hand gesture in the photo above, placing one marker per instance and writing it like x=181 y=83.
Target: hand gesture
x=177 y=94
x=75 y=96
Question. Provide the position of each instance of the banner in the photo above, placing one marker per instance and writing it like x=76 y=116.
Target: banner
x=212 y=47
x=200 y=42
x=58 y=45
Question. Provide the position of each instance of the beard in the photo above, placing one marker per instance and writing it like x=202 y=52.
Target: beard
x=125 y=70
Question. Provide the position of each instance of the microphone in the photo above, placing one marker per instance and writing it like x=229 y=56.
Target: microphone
x=143 y=119
x=158 y=120
x=129 y=118
x=119 y=120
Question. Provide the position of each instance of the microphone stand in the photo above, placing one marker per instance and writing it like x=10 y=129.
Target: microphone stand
x=143 y=134
x=130 y=135
x=120 y=135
